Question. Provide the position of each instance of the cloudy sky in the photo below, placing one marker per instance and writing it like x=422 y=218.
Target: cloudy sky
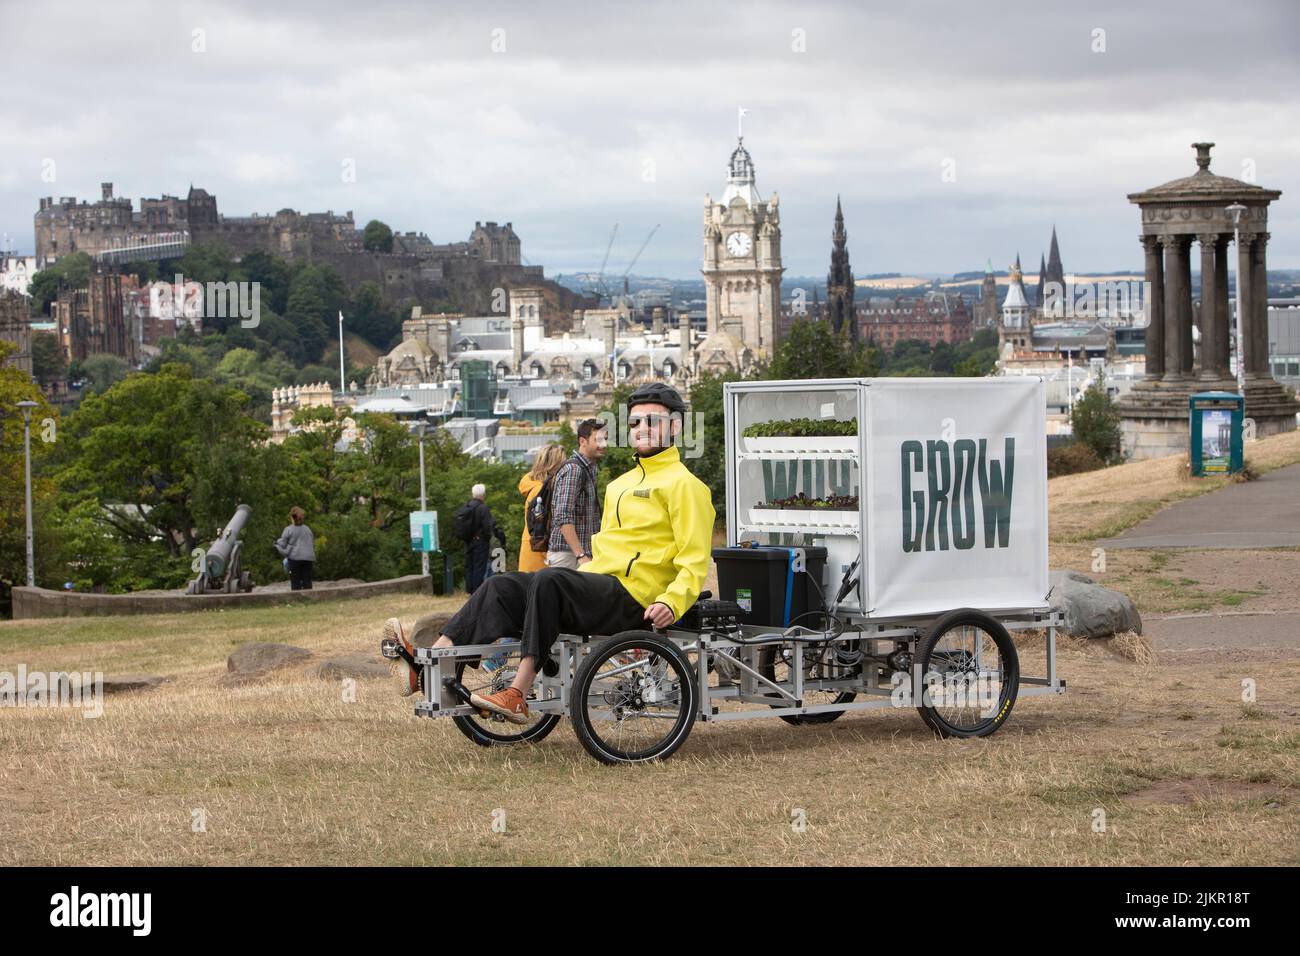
x=955 y=132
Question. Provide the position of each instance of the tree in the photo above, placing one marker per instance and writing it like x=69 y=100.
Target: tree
x=377 y=237
x=1095 y=421
x=372 y=319
x=710 y=465
x=103 y=371
x=15 y=387
x=48 y=361
x=812 y=349
x=316 y=295
x=272 y=275
x=144 y=447
x=68 y=272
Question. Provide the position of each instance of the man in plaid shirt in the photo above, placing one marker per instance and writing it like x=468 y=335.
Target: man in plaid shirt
x=575 y=510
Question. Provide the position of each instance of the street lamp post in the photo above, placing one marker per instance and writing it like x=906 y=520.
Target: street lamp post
x=1236 y=209
x=27 y=463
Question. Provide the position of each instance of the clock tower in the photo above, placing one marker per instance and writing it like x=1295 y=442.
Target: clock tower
x=742 y=266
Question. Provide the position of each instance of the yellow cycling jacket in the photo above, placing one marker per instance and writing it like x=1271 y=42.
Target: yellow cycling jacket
x=656 y=533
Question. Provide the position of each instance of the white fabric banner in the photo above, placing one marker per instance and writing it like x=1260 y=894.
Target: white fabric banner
x=956 y=495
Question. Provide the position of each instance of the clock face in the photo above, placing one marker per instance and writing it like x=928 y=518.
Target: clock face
x=739 y=243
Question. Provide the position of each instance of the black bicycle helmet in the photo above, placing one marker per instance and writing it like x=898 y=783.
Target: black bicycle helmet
x=656 y=393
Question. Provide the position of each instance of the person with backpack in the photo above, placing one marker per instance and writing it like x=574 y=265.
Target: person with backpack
x=548 y=461
x=474 y=524
x=566 y=512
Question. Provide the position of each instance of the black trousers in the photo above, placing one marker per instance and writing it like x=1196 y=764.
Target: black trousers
x=476 y=561
x=540 y=606
x=300 y=575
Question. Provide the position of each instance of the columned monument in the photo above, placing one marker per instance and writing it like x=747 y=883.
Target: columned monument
x=1194 y=210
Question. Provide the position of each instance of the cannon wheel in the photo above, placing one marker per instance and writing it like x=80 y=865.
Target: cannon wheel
x=975 y=656
x=634 y=699
x=494 y=730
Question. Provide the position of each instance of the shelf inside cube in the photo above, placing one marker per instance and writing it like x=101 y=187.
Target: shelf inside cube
x=828 y=446
x=803 y=520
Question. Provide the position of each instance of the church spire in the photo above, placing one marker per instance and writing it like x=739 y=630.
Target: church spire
x=840 y=307
x=1055 y=271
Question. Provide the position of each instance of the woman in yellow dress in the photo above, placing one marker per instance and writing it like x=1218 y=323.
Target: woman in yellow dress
x=547 y=463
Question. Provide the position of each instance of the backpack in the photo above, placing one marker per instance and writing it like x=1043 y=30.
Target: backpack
x=538 y=518
x=463 y=521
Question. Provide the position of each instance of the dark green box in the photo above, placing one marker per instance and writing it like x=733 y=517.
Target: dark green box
x=1215 y=420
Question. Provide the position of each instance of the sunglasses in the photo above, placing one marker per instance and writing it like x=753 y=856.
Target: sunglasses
x=634 y=421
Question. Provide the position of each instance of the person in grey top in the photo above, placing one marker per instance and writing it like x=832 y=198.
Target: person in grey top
x=297 y=545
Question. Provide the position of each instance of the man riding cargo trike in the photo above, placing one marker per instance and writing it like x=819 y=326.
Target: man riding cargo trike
x=884 y=537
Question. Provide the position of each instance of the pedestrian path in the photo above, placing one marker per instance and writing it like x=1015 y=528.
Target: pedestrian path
x=1264 y=513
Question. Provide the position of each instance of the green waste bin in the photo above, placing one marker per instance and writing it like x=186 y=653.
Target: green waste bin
x=1215 y=420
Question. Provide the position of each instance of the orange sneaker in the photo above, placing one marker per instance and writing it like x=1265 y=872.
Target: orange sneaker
x=411 y=679
x=509 y=703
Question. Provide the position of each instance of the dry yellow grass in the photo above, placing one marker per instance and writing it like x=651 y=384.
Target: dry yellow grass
x=291 y=772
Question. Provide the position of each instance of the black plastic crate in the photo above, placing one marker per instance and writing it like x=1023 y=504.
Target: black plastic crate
x=762 y=580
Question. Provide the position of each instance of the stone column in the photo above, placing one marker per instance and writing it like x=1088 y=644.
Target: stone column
x=1258 y=363
x=1186 y=318
x=1209 y=362
x=1245 y=296
x=1222 y=314
x=1154 y=309
x=1175 y=293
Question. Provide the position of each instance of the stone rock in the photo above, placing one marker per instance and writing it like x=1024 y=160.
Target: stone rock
x=358 y=665
x=426 y=630
x=260 y=657
x=1090 y=609
x=126 y=682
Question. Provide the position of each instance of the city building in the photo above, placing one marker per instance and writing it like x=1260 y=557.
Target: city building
x=742 y=270
x=112 y=232
x=932 y=318
x=15 y=328
x=16 y=273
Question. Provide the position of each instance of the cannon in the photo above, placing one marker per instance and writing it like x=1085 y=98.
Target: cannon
x=221 y=572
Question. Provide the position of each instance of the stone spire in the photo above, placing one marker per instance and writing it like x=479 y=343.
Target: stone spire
x=988 y=307
x=1055 y=271
x=1042 y=277
x=840 y=308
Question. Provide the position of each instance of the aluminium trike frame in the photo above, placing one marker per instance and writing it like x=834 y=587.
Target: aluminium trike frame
x=731 y=651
